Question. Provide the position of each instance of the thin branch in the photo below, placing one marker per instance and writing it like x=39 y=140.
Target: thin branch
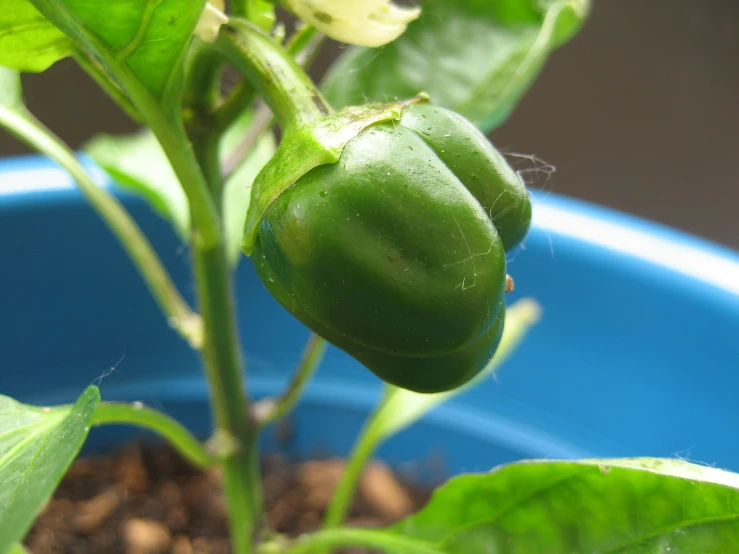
x=261 y=122
x=241 y=96
x=179 y=314
x=270 y=410
x=136 y=414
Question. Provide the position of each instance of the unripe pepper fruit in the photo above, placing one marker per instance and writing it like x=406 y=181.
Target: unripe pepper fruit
x=390 y=240
x=478 y=166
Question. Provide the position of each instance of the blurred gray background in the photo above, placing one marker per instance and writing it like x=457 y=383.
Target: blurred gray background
x=639 y=112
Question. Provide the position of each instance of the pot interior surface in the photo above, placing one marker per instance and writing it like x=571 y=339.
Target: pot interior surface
x=636 y=353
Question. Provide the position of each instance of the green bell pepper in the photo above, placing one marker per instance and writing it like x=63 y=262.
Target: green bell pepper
x=384 y=228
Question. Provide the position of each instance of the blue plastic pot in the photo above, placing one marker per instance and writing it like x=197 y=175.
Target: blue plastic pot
x=637 y=352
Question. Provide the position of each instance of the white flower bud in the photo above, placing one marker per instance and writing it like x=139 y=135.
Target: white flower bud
x=362 y=22
x=211 y=20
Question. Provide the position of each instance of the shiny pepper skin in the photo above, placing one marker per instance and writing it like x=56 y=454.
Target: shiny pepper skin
x=396 y=253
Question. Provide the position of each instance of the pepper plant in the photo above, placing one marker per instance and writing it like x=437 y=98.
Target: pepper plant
x=381 y=221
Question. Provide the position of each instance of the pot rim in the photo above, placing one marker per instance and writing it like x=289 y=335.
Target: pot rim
x=37 y=180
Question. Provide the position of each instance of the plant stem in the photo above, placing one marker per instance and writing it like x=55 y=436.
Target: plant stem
x=239 y=8
x=261 y=122
x=301 y=38
x=308 y=54
x=205 y=144
x=236 y=436
x=304 y=49
x=261 y=12
x=175 y=434
x=365 y=445
x=202 y=81
x=27 y=128
x=335 y=538
x=270 y=410
x=95 y=71
x=234 y=442
x=235 y=439
x=202 y=95
x=233 y=105
x=291 y=95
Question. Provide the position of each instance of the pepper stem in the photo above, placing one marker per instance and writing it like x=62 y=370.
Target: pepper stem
x=291 y=95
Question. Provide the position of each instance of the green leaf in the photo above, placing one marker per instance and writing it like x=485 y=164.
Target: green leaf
x=28 y=41
x=143 y=38
x=629 y=506
x=261 y=12
x=402 y=407
x=138 y=163
x=237 y=188
x=17 y=549
x=37 y=445
x=477 y=57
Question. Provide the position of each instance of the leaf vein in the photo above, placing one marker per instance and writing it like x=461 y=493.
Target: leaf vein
x=664 y=530
x=125 y=52
x=511 y=505
x=24 y=27
x=30 y=464
x=10 y=453
x=7 y=433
